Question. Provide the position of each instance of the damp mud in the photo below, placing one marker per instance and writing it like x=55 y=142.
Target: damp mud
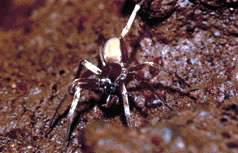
x=190 y=105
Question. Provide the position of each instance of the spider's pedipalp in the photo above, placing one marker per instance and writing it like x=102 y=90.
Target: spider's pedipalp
x=111 y=100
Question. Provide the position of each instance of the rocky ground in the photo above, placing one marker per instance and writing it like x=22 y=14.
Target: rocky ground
x=194 y=44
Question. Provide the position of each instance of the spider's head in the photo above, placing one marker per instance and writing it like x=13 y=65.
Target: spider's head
x=107 y=86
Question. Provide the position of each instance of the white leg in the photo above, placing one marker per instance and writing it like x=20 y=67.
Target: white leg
x=72 y=110
x=126 y=105
x=131 y=19
x=91 y=67
x=76 y=83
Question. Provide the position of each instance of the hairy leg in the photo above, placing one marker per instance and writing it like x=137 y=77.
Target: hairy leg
x=182 y=81
x=72 y=110
x=131 y=19
x=126 y=105
x=147 y=84
x=55 y=116
x=157 y=67
x=78 y=85
x=91 y=67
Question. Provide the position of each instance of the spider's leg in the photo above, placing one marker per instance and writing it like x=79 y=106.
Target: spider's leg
x=124 y=52
x=101 y=56
x=72 y=110
x=151 y=64
x=126 y=105
x=131 y=19
x=157 y=67
x=55 y=116
x=71 y=114
x=78 y=84
x=149 y=86
x=91 y=67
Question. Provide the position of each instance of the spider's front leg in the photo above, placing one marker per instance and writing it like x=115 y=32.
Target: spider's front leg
x=91 y=67
x=72 y=110
x=126 y=105
x=78 y=85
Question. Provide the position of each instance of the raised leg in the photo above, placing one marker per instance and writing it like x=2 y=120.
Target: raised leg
x=131 y=19
x=124 y=52
x=126 y=105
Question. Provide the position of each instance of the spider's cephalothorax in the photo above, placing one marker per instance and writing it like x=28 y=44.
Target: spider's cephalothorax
x=114 y=65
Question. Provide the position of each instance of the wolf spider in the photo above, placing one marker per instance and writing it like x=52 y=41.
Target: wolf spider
x=112 y=77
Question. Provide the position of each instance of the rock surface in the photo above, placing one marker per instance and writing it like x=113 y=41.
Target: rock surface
x=194 y=43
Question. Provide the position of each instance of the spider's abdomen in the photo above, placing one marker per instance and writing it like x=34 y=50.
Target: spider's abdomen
x=112 y=51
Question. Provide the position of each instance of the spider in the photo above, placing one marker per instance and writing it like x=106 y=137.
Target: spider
x=112 y=77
